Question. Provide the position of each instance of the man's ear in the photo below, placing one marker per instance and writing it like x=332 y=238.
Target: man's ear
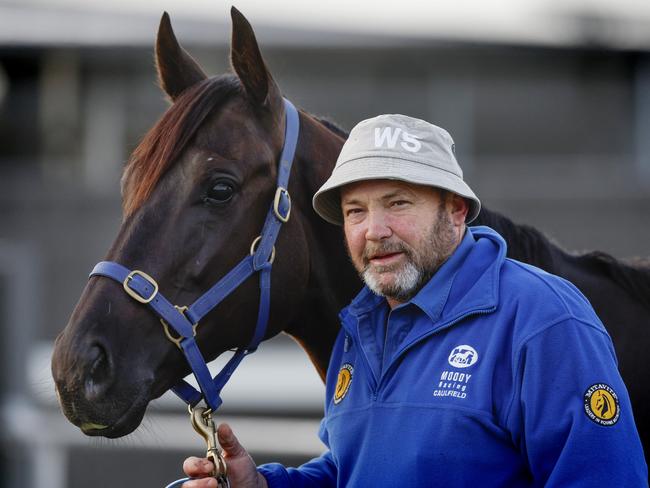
x=249 y=65
x=177 y=70
x=459 y=209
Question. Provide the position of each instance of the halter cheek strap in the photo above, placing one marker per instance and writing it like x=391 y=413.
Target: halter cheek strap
x=184 y=320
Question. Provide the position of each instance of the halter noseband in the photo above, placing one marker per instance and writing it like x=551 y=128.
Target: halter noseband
x=184 y=320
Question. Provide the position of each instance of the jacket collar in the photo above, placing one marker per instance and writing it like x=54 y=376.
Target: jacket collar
x=467 y=282
x=434 y=294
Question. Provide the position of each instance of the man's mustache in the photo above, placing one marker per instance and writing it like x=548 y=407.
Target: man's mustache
x=371 y=250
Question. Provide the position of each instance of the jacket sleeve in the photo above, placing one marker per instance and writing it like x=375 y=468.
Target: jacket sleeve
x=571 y=415
x=319 y=472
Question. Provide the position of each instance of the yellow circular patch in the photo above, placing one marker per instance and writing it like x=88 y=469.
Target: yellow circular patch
x=601 y=404
x=343 y=382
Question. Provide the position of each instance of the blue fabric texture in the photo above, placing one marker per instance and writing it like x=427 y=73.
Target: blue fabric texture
x=495 y=374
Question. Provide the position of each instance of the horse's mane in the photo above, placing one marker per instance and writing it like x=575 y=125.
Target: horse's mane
x=633 y=275
x=333 y=127
x=525 y=243
x=166 y=140
x=529 y=245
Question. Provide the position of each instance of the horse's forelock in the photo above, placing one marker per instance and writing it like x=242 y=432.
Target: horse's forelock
x=166 y=140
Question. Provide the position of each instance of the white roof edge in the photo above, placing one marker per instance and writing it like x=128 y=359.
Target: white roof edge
x=38 y=26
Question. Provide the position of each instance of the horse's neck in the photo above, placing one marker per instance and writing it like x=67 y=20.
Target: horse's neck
x=332 y=281
x=525 y=243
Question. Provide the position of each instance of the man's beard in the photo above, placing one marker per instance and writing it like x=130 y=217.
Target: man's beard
x=421 y=264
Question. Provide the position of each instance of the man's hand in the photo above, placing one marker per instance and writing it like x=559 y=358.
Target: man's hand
x=242 y=472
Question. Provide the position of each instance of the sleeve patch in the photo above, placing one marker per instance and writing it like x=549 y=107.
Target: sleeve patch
x=601 y=404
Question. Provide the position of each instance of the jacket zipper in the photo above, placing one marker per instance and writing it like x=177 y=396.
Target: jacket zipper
x=357 y=339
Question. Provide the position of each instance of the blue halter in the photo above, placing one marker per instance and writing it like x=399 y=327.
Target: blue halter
x=184 y=320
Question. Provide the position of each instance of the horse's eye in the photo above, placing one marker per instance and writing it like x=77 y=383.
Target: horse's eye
x=221 y=192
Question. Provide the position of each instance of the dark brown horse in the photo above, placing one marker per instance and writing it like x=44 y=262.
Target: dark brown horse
x=195 y=194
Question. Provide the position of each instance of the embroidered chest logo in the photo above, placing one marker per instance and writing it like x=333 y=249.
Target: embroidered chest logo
x=463 y=356
x=343 y=382
x=455 y=383
x=601 y=404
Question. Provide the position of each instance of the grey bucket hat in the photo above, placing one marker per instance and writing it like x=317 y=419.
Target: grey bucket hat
x=395 y=147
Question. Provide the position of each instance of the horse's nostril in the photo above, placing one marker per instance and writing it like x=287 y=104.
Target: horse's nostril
x=97 y=357
x=100 y=372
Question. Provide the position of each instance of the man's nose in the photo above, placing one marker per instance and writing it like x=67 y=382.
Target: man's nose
x=378 y=227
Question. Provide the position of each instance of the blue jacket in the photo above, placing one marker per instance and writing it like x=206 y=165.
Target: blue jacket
x=495 y=374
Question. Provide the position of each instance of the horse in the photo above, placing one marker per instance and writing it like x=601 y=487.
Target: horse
x=195 y=193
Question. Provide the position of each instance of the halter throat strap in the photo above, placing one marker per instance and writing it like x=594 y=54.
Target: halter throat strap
x=184 y=320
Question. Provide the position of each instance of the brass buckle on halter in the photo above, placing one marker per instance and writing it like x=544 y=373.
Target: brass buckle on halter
x=132 y=292
x=254 y=248
x=177 y=340
x=276 y=204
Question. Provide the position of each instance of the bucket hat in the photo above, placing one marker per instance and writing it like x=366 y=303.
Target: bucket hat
x=395 y=147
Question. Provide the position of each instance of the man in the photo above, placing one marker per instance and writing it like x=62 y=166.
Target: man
x=454 y=365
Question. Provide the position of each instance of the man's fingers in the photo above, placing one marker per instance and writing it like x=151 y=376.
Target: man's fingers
x=229 y=443
x=196 y=467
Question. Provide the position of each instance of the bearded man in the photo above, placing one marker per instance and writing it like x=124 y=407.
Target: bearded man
x=455 y=366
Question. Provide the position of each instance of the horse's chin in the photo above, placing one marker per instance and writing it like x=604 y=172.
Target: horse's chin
x=96 y=421
x=124 y=425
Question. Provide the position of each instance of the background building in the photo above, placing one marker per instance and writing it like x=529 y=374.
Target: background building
x=549 y=108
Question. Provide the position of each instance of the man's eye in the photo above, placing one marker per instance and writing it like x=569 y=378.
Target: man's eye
x=398 y=203
x=353 y=211
x=220 y=193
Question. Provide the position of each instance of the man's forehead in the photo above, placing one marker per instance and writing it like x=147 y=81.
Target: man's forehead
x=379 y=188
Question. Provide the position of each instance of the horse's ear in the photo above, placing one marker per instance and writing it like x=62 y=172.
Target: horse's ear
x=248 y=63
x=177 y=70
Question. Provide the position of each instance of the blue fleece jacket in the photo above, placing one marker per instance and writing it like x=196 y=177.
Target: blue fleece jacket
x=495 y=374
